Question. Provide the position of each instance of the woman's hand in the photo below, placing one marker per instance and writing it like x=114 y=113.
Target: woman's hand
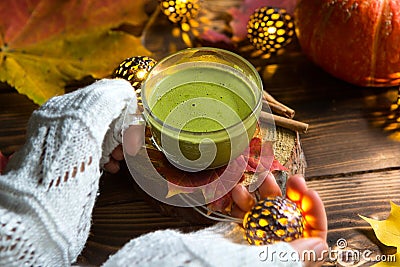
x=308 y=200
x=134 y=139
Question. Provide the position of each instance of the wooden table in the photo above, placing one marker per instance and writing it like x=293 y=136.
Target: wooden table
x=352 y=161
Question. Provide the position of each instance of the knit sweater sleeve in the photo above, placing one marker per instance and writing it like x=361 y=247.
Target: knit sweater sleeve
x=50 y=185
x=220 y=245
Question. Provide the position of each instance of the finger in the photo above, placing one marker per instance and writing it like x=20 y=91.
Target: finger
x=311 y=205
x=133 y=139
x=269 y=187
x=237 y=212
x=117 y=153
x=242 y=198
x=311 y=250
x=295 y=188
x=112 y=166
x=315 y=215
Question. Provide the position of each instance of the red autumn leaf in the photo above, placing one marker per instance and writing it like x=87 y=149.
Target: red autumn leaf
x=261 y=155
x=184 y=182
x=226 y=179
x=180 y=181
x=211 y=37
x=213 y=184
x=216 y=184
x=255 y=146
x=260 y=161
x=46 y=43
x=277 y=166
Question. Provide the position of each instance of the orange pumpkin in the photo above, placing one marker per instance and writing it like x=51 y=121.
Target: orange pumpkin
x=355 y=40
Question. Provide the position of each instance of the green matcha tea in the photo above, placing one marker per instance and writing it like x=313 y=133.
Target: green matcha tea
x=201 y=109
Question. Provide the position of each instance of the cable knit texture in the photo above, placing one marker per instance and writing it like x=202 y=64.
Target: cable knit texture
x=50 y=185
x=221 y=245
x=49 y=188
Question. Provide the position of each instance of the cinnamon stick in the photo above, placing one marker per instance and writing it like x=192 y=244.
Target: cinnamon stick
x=290 y=124
x=278 y=109
x=277 y=106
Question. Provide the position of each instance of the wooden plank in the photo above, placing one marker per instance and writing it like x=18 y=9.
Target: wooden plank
x=115 y=225
x=346 y=197
x=15 y=110
x=118 y=188
x=346 y=122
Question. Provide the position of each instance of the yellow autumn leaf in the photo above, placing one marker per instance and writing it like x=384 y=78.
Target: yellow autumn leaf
x=388 y=232
x=46 y=43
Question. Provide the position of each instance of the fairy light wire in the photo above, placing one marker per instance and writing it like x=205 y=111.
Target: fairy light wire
x=217 y=216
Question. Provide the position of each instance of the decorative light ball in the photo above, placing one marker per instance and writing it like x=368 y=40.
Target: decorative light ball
x=272 y=220
x=180 y=10
x=134 y=69
x=269 y=29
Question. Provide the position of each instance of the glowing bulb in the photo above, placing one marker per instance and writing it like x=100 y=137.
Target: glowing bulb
x=270 y=29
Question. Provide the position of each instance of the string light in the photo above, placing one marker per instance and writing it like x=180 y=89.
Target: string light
x=180 y=11
x=393 y=125
x=199 y=20
x=272 y=220
x=270 y=29
x=384 y=109
x=134 y=69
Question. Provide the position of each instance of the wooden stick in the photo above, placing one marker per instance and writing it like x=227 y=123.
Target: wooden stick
x=290 y=124
x=278 y=109
x=277 y=106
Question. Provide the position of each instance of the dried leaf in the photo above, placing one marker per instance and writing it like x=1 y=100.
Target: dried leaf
x=46 y=43
x=215 y=184
x=179 y=180
x=184 y=182
x=388 y=232
x=261 y=157
x=211 y=37
x=277 y=166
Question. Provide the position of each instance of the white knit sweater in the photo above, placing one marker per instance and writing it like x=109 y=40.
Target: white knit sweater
x=50 y=185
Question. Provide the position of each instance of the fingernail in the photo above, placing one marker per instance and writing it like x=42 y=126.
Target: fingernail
x=133 y=139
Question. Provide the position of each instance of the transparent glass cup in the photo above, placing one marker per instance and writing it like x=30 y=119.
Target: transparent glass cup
x=202 y=106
